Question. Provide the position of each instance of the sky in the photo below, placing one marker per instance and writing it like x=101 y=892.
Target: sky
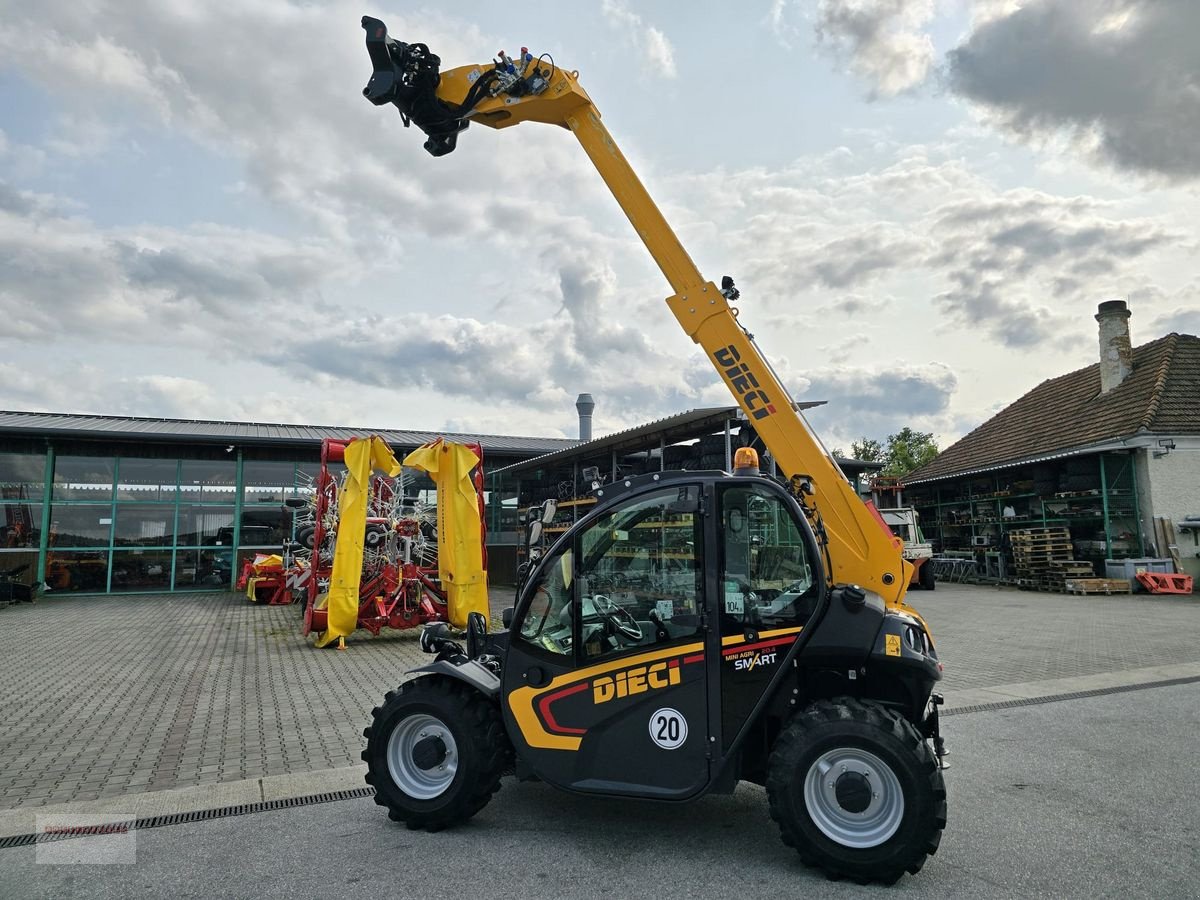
x=922 y=202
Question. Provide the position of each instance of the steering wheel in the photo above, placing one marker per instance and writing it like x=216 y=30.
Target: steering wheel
x=618 y=616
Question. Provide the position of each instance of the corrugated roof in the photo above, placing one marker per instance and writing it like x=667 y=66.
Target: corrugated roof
x=1069 y=414
x=66 y=425
x=679 y=427
x=671 y=429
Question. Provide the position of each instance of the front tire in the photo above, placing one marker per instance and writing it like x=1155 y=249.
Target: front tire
x=435 y=752
x=856 y=791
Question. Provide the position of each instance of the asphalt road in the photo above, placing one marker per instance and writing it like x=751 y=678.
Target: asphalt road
x=1083 y=798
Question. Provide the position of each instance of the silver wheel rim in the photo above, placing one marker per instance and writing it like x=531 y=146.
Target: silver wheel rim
x=418 y=783
x=869 y=827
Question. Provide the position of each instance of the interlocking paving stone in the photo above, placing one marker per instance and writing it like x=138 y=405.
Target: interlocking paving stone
x=107 y=696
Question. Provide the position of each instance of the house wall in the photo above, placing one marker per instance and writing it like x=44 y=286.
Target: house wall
x=1174 y=492
x=1175 y=480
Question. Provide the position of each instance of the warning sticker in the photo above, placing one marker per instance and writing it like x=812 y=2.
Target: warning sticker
x=893 y=644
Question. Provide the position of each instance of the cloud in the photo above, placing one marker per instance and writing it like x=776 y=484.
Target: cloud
x=1179 y=311
x=877 y=402
x=882 y=41
x=1118 y=77
x=1007 y=256
x=520 y=365
x=1182 y=320
x=64 y=277
x=1017 y=266
x=650 y=42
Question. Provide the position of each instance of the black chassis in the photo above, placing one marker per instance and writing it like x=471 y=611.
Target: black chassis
x=844 y=651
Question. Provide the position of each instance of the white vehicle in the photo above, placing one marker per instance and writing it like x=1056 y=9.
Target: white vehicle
x=904 y=524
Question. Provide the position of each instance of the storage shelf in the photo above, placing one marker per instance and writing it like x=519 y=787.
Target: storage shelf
x=1105 y=506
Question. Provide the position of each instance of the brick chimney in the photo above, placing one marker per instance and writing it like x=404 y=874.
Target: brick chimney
x=585 y=405
x=1116 y=353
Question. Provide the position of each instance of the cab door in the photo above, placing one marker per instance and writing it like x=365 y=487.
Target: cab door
x=771 y=586
x=605 y=677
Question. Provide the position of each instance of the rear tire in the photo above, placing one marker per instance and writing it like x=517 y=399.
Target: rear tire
x=435 y=752
x=856 y=791
x=925 y=576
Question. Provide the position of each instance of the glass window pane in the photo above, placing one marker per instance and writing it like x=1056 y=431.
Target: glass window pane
x=205 y=526
x=547 y=621
x=640 y=575
x=141 y=570
x=767 y=575
x=77 y=571
x=268 y=481
x=80 y=525
x=306 y=480
x=21 y=476
x=19 y=566
x=206 y=569
x=208 y=480
x=83 y=478
x=149 y=480
x=267 y=526
x=145 y=525
x=20 y=525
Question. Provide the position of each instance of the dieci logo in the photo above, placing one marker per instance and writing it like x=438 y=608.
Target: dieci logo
x=752 y=659
x=637 y=680
x=758 y=404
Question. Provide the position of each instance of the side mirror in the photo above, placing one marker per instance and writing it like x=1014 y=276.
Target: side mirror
x=506 y=617
x=476 y=635
x=549 y=510
x=535 y=533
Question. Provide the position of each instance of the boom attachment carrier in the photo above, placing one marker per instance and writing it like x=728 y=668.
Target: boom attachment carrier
x=506 y=92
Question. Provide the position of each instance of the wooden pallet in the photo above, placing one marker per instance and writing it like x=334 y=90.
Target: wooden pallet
x=1028 y=534
x=1073 y=567
x=1098 y=586
x=1049 y=554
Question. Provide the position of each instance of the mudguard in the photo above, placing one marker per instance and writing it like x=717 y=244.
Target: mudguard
x=471 y=672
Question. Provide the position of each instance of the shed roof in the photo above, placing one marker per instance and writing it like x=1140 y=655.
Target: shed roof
x=682 y=426
x=67 y=425
x=1069 y=414
x=671 y=429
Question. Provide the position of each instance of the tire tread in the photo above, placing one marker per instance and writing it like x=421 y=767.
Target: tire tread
x=489 y=745
x=784 y=767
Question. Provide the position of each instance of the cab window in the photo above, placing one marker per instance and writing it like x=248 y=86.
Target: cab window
x=635 y=575
x=767 y=573
x=640 y=574
x=547 y=622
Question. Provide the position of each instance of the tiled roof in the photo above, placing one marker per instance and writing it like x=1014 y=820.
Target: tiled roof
x=66 y=425
x=1161 y=395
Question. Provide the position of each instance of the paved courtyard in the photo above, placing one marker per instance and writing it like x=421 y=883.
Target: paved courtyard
x=110 y=696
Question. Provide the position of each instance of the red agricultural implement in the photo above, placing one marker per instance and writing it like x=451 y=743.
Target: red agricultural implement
x=399 y=587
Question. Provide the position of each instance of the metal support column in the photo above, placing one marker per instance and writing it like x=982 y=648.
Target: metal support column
x=175 y=525
x=238 y=498
x=1137 y=506
x=47 y=495
x=112 y=523
x=728 y=449
x=1104 y=507
x=662 y=453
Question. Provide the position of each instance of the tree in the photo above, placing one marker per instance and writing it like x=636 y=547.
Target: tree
x=904 y=452
x=868 y=450
x=908 y=450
